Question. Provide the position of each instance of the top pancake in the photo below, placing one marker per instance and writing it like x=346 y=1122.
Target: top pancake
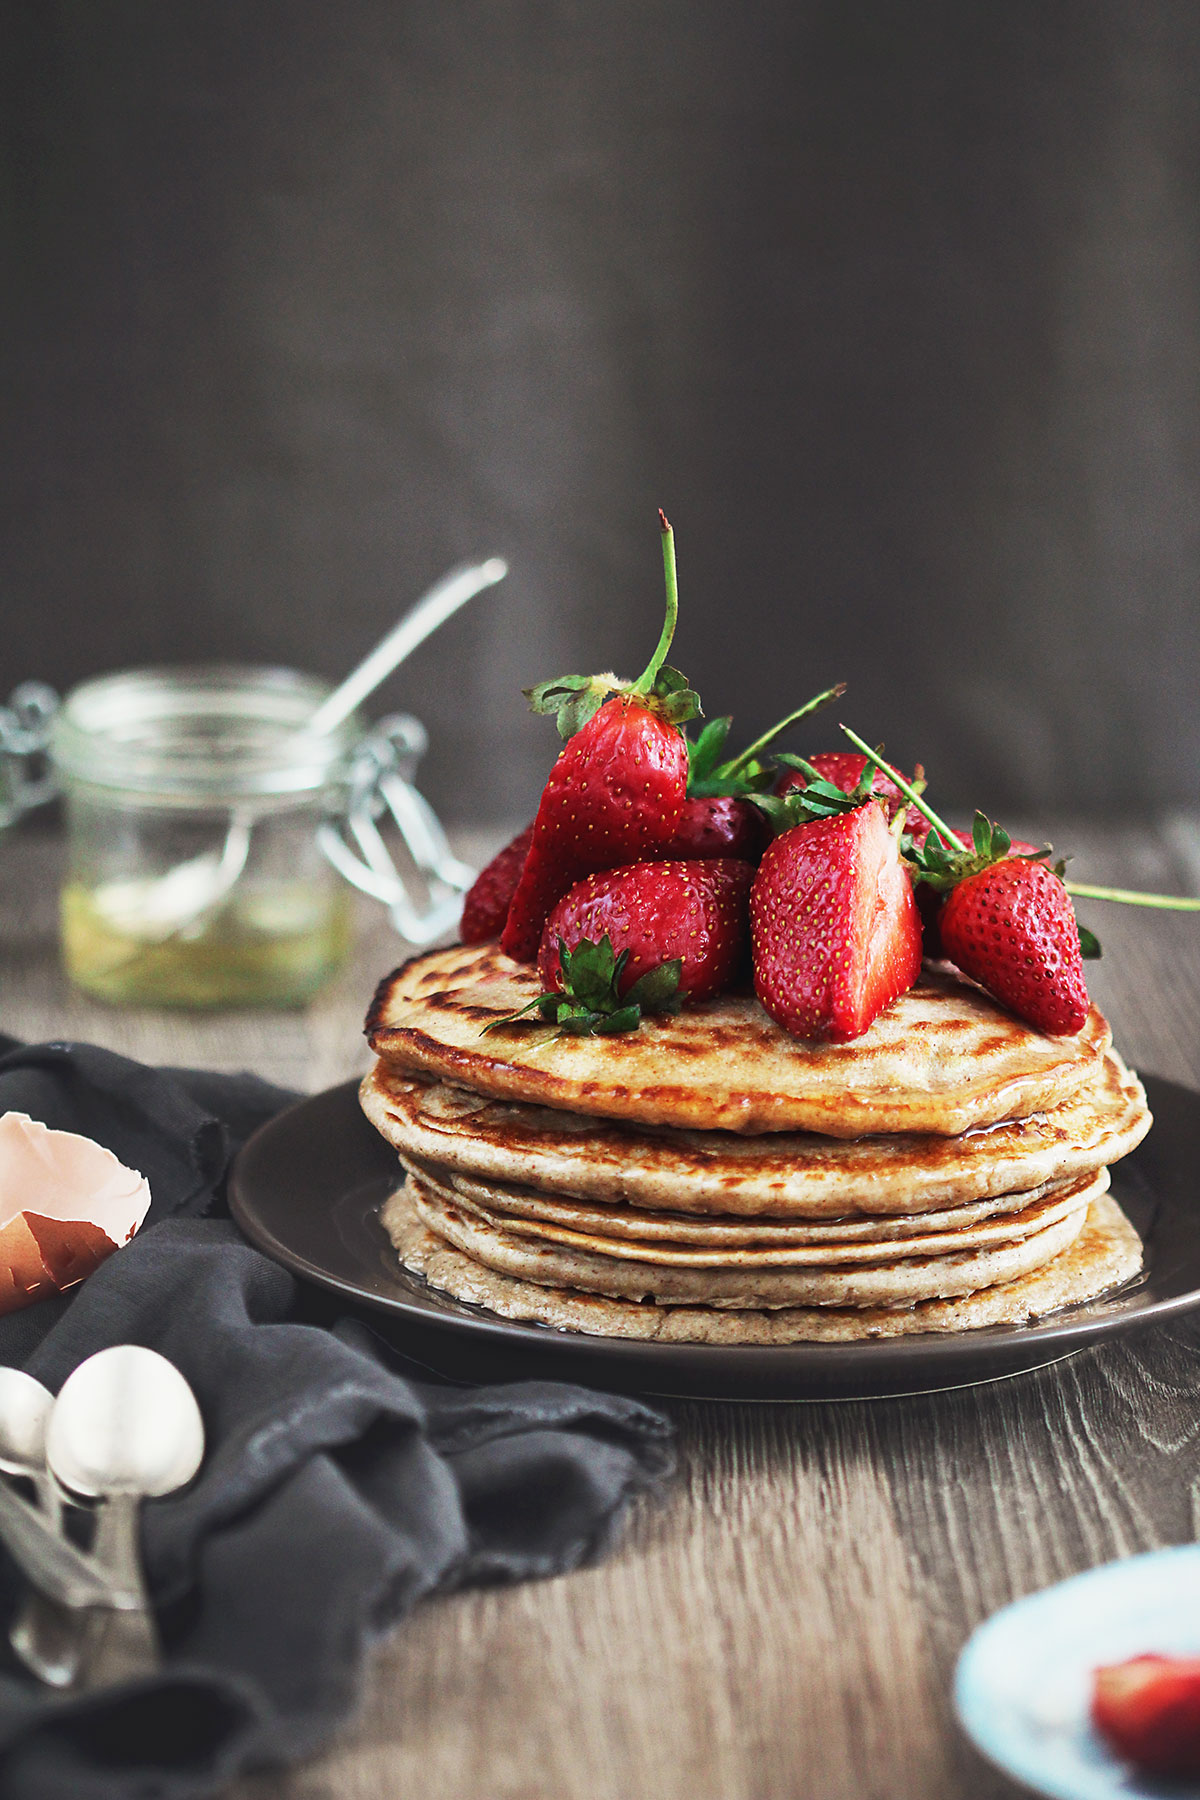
x=944 y=1058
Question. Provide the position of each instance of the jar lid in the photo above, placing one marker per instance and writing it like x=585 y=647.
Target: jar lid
x=204 y=734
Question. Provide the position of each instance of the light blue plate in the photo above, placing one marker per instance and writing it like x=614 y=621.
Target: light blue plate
x=1024 y=1680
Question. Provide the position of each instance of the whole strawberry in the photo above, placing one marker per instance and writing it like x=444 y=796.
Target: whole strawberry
x=931 y=900
x=488 y=899
x=1012 y=928
x=659 y=912
x=844 y=769
x=616 y=792
x=834 y=929
x=722 y=825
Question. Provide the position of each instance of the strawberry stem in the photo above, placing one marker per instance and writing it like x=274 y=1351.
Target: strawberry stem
x=906 y=788
x=768 y=737
x=1131 y=897
x=645 y=682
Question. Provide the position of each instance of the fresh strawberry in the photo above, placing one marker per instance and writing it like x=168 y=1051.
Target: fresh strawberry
x=614 y=795
x=844 y=769
x=1148 y=1709
x=930 y=901
x=835 y=933
x=486 y=905
x=616 y=792
x=1007 y=919
x=721 y=826
x=659 y=912
x=1012 y=928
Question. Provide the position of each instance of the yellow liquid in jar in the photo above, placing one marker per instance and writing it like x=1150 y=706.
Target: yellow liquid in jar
x=271 y=945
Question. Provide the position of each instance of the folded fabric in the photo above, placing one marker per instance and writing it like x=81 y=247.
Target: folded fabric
x=337 y=1489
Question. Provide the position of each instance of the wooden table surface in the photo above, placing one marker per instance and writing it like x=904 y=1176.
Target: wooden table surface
x=784 y=1624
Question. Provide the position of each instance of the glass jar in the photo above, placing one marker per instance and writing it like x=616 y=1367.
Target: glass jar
x=193 y=800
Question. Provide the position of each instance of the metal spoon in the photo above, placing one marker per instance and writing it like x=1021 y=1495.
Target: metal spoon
x=124 y=1427
x=46 y=1635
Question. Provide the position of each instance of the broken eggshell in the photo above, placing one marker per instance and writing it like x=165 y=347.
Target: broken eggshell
x=65 y=1204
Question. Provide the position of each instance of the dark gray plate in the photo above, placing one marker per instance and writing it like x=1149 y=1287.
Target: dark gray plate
x=307 y=1189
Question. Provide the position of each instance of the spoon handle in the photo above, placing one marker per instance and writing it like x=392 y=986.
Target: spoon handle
x=46 y=1635
x=52 y=1564
x=432 y=610
x=124 y=1644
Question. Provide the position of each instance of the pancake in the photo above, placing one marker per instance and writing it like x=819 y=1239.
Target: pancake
x=900 y=1282
x=780 y=1175
x=712 y=1244
x=943 y=1059
x=1104 y=1256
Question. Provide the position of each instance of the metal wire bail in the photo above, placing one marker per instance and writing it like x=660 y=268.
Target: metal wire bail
x=26 y=777
x=381 y=787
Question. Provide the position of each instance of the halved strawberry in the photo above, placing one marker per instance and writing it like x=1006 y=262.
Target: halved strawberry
x=616 y=792
x=659 y=912
x=486 y=905
x=834 y=929
x=1148 y=1709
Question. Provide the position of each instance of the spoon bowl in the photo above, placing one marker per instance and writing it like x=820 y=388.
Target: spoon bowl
x=24 y=1412
x=125 y=1421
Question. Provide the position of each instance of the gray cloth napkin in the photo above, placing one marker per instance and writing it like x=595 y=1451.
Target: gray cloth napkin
x=337 y=1489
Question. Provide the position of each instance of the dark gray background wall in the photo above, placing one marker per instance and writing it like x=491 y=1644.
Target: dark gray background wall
x=894 y=307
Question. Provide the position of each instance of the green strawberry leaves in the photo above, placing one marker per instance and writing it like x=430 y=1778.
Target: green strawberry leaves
x=710 y=777
x=704 y=755
x=992 y=842
x=942 y=863
x=672 y=699
x=820 y=799
x=590 y=1005
x=751 y=772
x=1089 y=943
x=572 y=699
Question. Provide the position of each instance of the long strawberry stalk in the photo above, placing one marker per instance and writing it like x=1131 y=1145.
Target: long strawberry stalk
x=1133 y=897
x=943 y=830
x=645 y=681
x=1126 y=896
x=768 y=737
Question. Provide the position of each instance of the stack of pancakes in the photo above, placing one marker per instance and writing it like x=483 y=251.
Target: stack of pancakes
x=707 y=1178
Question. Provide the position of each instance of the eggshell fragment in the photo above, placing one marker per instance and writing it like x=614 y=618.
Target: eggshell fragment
x=65 y=1204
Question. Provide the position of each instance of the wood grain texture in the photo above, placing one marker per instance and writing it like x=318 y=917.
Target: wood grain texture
x=783 y=1625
